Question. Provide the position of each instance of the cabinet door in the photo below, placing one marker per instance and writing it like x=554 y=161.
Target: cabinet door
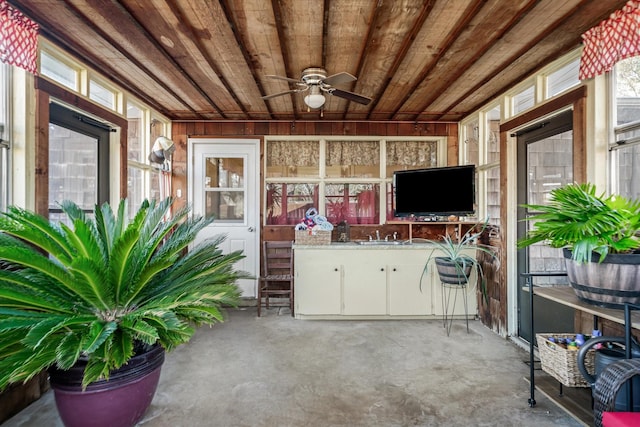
x=318 y=284
x=405 y=296
x=365 y=287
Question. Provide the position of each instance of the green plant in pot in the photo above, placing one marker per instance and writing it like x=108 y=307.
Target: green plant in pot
x=456 y=259
x=98 y=302
x=600 y=241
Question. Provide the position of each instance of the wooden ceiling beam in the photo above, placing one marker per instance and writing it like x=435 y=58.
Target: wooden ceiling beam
x=446 y=81
x=402 y=53
x=277 y=12
x=226 y=7
x=167 y=57
x=571 y=18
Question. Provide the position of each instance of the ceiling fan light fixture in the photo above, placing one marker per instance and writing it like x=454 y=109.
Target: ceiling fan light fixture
x=315 y=99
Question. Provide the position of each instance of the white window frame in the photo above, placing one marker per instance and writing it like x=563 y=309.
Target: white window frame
x=322 y=179
x=5 y=136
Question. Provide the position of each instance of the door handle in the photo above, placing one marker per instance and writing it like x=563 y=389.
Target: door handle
x=251 y=229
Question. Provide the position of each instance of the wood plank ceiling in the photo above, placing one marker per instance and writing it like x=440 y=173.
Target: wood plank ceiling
x=419 y=60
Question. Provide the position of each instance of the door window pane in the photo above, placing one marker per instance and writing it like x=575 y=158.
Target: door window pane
x=225 y=206
x=628 y=166
x=73 y=168
x=224 y=188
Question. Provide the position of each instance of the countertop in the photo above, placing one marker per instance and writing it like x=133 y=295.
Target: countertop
x=415 y=244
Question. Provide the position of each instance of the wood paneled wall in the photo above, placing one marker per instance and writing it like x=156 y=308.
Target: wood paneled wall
x=181 y=131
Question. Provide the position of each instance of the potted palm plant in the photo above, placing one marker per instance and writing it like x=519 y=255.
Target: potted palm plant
x=600 y=239
x=98 y=302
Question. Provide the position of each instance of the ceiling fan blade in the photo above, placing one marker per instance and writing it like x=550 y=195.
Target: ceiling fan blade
x=339 y=78
x=279 y=94
x=350 y=96
x=288 y=79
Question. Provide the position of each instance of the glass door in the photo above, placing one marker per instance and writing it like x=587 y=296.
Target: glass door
x=545 y=162
x=78 y=161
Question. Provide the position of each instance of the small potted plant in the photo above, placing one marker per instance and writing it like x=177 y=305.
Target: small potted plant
x=600 y=241
x=99 y=301
x=454 y=262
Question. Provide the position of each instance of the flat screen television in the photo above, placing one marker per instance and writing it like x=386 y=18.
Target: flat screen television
x=435 y=191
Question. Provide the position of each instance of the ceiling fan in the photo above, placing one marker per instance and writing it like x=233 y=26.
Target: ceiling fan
x=315 y=80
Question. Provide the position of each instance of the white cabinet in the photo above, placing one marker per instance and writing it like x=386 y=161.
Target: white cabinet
x=318 y=283
x=364 y=285
x=406 y=298
x=343 y=281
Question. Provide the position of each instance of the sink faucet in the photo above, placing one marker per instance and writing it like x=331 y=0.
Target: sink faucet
x=377 y=234
x=395 y=235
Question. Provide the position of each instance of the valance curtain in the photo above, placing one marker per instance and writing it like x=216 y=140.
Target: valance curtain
x=293 y=153
x=18 y=38
x=612 y=40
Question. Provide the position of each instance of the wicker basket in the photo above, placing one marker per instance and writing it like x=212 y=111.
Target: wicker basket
x=316 y=237
x=562 y=364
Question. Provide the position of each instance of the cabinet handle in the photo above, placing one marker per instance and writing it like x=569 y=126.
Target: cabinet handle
x=335 y=269
x=382 y=269
x=394 y=269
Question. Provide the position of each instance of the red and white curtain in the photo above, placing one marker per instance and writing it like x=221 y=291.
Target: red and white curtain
x=18 y=38
x=613 y=40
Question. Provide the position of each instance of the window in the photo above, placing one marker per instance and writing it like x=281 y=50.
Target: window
x=345 y=179
x=470 y=136
x=65 y=71
x=5 y=121
x=625 y=149
x=144 y=180
x=564 y=78
x=102 y=94
x=489 y=168
x=481 y=138
x=523 y=100
x=59 y=71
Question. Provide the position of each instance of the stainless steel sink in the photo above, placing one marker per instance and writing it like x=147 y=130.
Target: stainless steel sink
x=382 y=242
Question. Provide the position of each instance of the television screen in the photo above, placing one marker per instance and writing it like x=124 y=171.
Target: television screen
x=435 y=191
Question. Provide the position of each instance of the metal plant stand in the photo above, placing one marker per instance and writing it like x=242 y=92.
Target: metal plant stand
x=447 y=304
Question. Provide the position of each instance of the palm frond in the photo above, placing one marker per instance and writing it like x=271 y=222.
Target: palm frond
x=36 y=230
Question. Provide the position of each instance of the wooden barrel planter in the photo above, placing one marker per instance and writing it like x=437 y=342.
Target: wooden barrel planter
x=611 y=283
x=452 y=273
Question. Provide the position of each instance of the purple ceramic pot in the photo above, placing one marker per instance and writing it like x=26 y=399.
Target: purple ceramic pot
x=120 y=401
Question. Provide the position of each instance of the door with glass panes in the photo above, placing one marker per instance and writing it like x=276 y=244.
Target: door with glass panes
x=78 y=160
x=545 y=162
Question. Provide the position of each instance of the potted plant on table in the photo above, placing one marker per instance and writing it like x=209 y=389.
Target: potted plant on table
x=98 y=303
x=600 y=239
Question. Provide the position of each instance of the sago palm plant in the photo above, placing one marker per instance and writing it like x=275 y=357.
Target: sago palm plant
x=578 y=219
x=98 y=289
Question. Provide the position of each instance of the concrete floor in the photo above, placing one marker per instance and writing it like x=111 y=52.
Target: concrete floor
x=278 y=371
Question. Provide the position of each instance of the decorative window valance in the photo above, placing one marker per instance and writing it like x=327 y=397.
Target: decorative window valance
x=18 y=38
x=612 y=40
